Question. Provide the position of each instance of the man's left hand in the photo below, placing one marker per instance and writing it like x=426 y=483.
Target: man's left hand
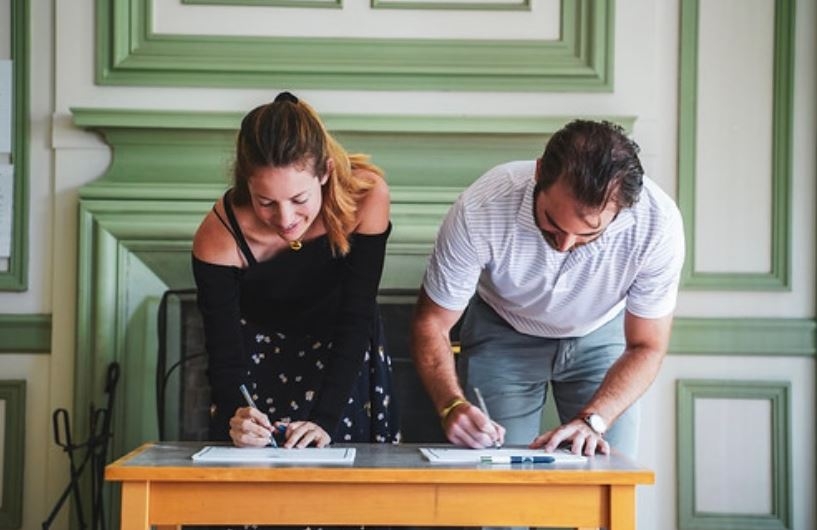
x=576 y=434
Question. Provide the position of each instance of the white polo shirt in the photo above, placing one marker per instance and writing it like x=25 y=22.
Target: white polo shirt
x=489 y=243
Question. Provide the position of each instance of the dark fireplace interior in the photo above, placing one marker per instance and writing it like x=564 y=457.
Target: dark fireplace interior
x=183 y=394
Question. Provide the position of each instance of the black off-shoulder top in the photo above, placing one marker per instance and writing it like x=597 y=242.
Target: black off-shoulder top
x=306 y=292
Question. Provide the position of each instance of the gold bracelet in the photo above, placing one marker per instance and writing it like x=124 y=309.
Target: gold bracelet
x=456 y=402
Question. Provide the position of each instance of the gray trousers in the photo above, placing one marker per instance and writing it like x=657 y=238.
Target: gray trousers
x=513 y=371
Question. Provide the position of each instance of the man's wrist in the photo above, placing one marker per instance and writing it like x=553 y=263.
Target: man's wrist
x=595 y=421
x=449 y=408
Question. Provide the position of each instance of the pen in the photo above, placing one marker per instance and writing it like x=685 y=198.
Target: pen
x=251 y=403
x=542 y=459
x=484 y=409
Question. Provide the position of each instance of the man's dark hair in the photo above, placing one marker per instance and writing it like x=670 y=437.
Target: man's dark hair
x=597 y=161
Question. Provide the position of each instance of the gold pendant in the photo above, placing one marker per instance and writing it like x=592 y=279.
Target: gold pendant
x=296 y=244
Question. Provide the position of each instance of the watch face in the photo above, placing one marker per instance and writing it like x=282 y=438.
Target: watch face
x=596 y=423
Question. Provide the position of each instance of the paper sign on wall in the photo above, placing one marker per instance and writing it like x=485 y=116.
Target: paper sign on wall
x=5 y=106
x=6 y=205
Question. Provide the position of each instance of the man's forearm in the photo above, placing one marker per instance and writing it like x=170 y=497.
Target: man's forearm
x=626 y=381
x=435 y=365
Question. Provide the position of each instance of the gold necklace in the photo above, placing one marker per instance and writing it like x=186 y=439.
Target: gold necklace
x=296 y=244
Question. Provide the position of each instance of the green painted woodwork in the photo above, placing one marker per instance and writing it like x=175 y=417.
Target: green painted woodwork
x=522 y=5
x=778 y=394
x=15 y=277
x=130 y=52
x=196 y=147
x=778 y=277
x=270 y=3
x=25 y=333
x=13 y=393
x=744 y=336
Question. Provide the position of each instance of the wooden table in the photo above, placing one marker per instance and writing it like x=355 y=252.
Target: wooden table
x=386 y=485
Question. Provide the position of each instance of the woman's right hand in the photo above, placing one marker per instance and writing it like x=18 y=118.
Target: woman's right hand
x=249 y=427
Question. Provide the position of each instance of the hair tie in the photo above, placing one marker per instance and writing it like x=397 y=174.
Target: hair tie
x=285 y=96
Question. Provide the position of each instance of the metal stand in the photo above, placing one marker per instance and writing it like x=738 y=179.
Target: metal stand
x=95 y=449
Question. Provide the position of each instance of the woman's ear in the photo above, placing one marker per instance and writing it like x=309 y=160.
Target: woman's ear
x=330 y=168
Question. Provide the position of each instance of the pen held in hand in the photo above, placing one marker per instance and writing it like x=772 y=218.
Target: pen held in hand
x=484 y=408
x=251 y=404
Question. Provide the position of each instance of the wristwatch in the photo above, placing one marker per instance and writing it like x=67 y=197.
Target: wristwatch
x=595 y=422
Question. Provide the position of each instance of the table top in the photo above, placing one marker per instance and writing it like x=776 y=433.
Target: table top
x=374 y=464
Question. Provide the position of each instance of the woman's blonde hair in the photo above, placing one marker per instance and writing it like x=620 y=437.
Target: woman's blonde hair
x=288 y=131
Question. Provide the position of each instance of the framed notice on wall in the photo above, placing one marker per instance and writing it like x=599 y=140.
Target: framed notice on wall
x=14 y=31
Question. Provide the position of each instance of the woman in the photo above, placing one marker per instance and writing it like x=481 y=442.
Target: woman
x=287 y=266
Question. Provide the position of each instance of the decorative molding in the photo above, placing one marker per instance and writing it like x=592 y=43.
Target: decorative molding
x=783 y=85
x=15 y=278
x=196 y=148
x=25 y=333
x=13 y=392
x=129 y=52
x=744 y=336
x=778 y=394
x=270 y=3
x=518 y=5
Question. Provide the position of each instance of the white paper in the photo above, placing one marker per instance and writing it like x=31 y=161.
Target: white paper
x=5 y=106
x=276 y=455
x=438 y=455
x=6 y=206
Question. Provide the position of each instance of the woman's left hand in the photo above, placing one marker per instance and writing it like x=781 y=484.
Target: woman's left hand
x=304 y=434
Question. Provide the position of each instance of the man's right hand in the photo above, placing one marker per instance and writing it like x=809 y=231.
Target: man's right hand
x=467 y=426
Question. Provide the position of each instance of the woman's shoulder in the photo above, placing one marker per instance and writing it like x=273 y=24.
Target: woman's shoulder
x=374 y=206
x=214 y=241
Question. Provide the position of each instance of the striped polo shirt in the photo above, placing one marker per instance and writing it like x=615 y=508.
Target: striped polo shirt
x=489 y=243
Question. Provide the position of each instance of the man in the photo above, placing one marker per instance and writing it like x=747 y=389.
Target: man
x=567 y=269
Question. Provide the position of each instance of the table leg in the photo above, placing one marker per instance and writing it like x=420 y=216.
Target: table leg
x=622 y=507
x=134 y=511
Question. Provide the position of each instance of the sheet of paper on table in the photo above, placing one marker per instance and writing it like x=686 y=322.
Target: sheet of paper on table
x=275 y=455
x=438 y=455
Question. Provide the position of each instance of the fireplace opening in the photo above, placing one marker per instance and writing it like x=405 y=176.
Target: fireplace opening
x=183 y=393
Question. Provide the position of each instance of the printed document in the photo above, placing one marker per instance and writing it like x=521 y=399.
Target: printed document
x=438 y=455
x=276 y=455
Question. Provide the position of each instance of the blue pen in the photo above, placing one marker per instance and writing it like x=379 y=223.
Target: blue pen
x=527 y=459
x=251 y=403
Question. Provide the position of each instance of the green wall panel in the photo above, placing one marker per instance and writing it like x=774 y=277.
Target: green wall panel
x=130 y=52
x=744 y=336
x=13 y=393
x=778 y=277
x=270 y=3
x=778 y=394
x=15 y=277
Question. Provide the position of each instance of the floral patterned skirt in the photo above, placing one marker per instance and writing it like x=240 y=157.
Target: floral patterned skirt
x=286 y=373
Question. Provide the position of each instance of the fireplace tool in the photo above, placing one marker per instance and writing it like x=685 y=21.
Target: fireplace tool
x=95 y=452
